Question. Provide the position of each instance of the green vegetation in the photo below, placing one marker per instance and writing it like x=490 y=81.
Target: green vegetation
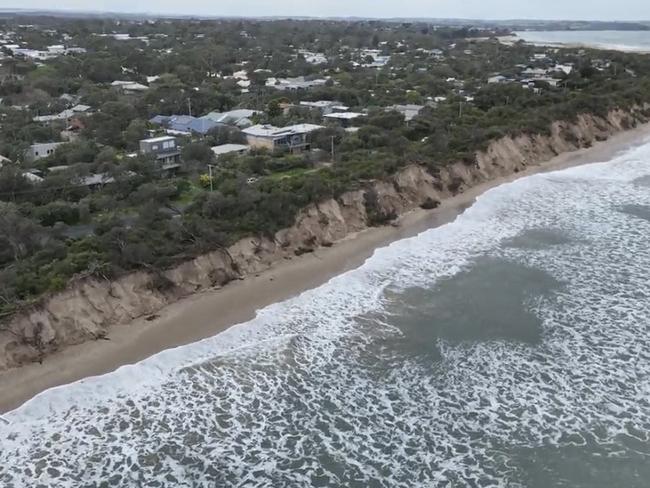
x=146 y=217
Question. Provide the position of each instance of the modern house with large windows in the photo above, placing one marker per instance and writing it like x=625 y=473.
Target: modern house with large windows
x=294 y=138
x=164 y=148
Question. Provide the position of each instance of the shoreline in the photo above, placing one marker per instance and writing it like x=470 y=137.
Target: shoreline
x=624 y=48
x=210 y=312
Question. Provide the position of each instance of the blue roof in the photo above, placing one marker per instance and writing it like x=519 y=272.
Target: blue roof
x=203 y=125
x=185 y=123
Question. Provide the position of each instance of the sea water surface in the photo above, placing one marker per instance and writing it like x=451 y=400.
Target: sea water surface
x=510 y=348
x=614 y=40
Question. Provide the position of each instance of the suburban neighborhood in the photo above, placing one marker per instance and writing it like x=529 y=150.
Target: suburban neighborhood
x=139 y=142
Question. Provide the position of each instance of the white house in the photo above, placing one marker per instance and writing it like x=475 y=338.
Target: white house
x=41 y=150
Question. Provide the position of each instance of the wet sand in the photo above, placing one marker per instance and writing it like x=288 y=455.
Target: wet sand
x=206 y=314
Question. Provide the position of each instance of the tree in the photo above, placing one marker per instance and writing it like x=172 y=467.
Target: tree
x=134 y=133
x=13 y=184
x=273 y=109
x=57 y=211
x=196 y=151
x=19 y=236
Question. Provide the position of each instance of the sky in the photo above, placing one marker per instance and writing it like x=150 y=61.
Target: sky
x=474 y=9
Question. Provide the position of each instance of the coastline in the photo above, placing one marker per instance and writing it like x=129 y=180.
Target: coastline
x=209 y=313
x=511 y=40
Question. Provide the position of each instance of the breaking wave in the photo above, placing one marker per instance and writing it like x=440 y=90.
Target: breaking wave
x=357 y=383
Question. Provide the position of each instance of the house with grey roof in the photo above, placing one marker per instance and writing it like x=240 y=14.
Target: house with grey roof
x=238 y=118
x=65 y=114
x=409 y=111
x=185 y=124
x=293 y=138
x=225 y=149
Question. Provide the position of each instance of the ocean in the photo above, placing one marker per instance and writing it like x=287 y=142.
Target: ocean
x=614 y=40
x=510 y=348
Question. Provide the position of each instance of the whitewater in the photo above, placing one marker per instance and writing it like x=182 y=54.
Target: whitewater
x=509 y=348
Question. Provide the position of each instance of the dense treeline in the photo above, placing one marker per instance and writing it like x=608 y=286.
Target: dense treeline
x=57 y=228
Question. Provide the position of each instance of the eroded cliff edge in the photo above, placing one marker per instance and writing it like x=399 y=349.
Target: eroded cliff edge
x=90 y=306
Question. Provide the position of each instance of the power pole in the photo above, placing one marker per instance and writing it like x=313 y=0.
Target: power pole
x=189 y=106
x=332 y=148
x=460 y=109
x=210 y=174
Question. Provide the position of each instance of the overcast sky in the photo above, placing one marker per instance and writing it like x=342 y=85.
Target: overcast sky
x=486 y=9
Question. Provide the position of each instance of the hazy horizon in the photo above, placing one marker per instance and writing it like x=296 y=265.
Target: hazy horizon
x=596 y=10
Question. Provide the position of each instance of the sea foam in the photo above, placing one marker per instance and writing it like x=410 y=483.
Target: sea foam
x=314 y=391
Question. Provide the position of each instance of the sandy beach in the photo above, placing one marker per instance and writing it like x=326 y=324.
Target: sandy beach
x=206 y=314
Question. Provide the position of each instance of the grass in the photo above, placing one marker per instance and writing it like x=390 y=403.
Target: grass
x=292 y=173
x=188 y=196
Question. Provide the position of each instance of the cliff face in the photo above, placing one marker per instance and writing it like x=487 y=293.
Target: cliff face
x=90 y=306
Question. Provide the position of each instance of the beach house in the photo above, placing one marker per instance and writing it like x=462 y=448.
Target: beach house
x=165 y=149
x=41 y=150
x=293 y=138
x=185 y=124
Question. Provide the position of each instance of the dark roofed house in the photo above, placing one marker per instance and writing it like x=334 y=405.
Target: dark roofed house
x=165 y=149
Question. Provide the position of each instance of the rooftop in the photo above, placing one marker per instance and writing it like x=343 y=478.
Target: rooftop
x=277 y=132
x=228 y=148
x=322 y=104
x=159 y=139
x=344 y=115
